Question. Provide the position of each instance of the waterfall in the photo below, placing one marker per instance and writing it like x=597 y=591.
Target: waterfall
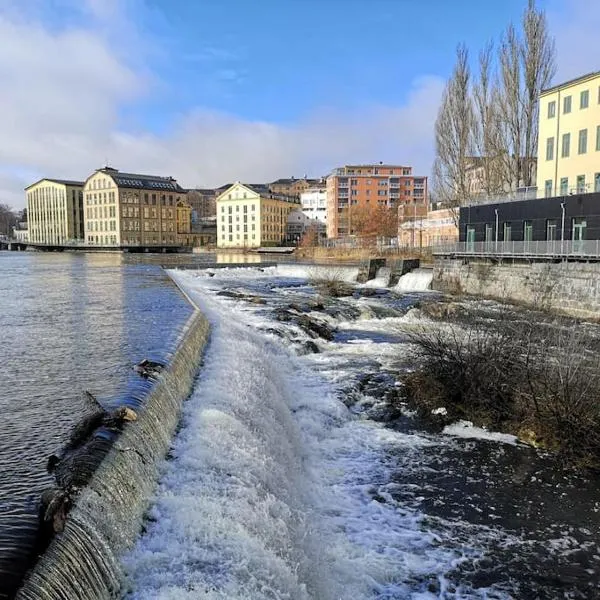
x=417 y=280
x=83 y=562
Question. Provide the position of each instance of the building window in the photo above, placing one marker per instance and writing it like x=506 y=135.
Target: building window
x=564 y=186
x=579 y=225
x=489 y=233
x=548 y=188
x=582 y=147
x=580 y=184
x=550 y=148
x=566 y=145
x=598 y=138
x=551 y=230
x=551 y=109
x=507 y=232
x=584 y=99
x=527 y=231
x=566 y=105
x=597 y=182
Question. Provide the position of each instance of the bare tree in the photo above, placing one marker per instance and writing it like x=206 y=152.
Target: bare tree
x=538 y=60
x=487 y=129
x=527 y=65
x=454 y=136
x=8 y=219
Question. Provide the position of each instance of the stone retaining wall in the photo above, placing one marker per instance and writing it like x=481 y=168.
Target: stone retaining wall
x=570 y=288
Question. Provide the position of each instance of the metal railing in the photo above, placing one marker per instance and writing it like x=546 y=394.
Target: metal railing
x=577 y=249
x=533 y=193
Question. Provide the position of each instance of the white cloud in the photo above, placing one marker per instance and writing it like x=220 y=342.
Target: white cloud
x=66 y=88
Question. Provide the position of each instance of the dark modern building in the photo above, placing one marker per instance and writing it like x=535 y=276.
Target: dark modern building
x=575 y=217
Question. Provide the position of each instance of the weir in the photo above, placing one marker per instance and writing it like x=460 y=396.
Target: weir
x=83 y=562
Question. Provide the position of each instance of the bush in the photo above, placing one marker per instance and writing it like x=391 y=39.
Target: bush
x=330 y=281
x=538 y=380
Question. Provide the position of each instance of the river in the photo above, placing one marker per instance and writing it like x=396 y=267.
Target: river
x=288 y=478
x=68 y=323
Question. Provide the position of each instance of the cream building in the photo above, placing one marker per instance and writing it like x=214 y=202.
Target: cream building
x=250 y=216
x=129 y=209
x=569 y=138
x=55 y=211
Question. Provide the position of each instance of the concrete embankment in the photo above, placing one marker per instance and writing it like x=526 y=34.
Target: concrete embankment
x=83 y=562
x=569 y=288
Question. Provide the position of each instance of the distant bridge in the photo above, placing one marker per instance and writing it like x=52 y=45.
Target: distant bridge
x=81 y=247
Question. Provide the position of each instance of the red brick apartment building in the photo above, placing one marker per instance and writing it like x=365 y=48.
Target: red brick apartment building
x=356 y=188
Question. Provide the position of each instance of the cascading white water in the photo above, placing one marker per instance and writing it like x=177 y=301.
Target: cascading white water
x=267 y=495
x=382 y=278
x=417 y=280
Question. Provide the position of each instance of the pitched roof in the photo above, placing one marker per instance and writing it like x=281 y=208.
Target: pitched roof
x=59 y=181
x=263 y=190
x=579 y=79
x=139 y=181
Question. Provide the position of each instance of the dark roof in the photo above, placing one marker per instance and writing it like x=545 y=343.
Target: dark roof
x=292 y=180
x=571 y=82
x=61 y=181
x=263 y=190
x=139 y=181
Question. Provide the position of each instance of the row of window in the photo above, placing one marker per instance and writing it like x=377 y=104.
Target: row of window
x=578 y=229
x=102 y=226
x=584 y=102
x=99 y=213
x=581 y=186
x=237 y=228
x=582 y=144
x=237 y=208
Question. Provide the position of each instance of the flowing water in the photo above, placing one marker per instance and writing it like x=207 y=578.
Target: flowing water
x=417 y=280
x=68 y=323
x=288 y=480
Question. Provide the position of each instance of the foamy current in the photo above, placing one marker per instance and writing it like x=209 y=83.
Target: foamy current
x=275 y=489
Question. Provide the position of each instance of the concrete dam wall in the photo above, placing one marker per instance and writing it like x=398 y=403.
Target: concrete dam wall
x=569 y=288
x=83 y=561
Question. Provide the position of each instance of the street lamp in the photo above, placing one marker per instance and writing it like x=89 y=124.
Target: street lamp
x=562 y=229
x=496 y=211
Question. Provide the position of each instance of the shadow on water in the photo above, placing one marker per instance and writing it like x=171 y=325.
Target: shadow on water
x=69 y=322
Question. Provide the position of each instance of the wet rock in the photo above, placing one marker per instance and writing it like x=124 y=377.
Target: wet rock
x=365 y=292
x=441 y=310
x=309 y=325
x=149 y=369
x=309 y=347
x=89 y=442
x=242 y=296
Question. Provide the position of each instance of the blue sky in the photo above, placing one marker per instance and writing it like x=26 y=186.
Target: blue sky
x=280 y=60
x=211 y=91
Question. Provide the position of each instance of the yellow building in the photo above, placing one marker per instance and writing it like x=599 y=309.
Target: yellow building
x=129 y=209
x=569 y=138
x=250 y=216
x=55 y=211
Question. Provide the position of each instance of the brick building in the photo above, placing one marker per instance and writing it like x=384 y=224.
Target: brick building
x=353 y=190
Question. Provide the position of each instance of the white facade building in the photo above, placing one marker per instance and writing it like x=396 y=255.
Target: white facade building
x=314 y=204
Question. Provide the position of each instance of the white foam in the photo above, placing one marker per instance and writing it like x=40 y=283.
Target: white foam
x=270 y=492
x=466 y=429
x=417 y=280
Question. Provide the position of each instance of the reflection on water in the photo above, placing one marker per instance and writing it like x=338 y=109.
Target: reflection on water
x=69 y=322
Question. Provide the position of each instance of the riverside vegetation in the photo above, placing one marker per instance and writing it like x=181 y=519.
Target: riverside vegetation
x=525 y=373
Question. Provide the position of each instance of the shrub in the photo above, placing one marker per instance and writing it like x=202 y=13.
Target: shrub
x=540 y=380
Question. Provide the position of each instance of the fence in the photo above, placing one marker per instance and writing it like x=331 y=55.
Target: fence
x=576 y=249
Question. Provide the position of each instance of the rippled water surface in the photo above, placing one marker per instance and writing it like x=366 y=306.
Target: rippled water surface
x=68 y=323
